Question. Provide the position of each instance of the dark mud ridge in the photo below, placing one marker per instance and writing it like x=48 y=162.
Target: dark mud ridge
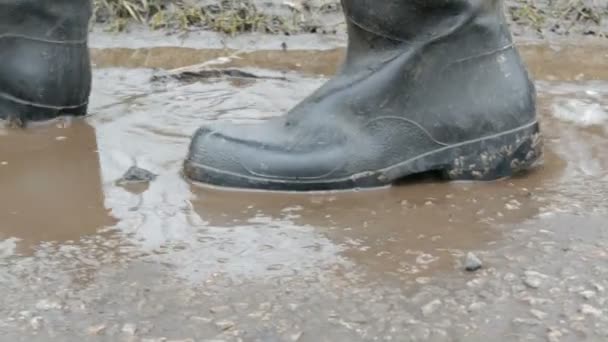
x=532 y=18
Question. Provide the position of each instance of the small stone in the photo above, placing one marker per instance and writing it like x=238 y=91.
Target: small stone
x=538 y=314
x=423 y=280
x=275 y=267
x=598 y=287
x=224 y=325
x=510 y=277
x=588 y=294
x=256 y=314
x=534 y=301
x=36 y=322
x=554 y=335
x=525 y=321
x=296 y=336
x=431 y=307
x=533 y=279
x=201 y=319
x=96 y=329
x=472 y=263
x=46 y=304
x=137 y=175
x=476 y=306
x=219 y=309
x=477 y=283
x=24 y=314
x=293 y=306
x=590 y=310
x=129 y=329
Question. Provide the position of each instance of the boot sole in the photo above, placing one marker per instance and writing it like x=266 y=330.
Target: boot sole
x=20 y=113
x=489 y=158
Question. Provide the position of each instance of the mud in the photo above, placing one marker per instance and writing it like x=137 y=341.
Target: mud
x=527 y=18
x=85 y=258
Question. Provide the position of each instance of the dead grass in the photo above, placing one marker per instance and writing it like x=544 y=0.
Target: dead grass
x=228 y=16
x=561 y=17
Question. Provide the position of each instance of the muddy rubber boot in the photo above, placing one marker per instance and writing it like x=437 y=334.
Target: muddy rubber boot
x=45 y=69
x=427 y=85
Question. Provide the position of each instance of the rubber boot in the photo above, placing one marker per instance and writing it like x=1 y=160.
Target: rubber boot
x=427 y=85
x=45 y=68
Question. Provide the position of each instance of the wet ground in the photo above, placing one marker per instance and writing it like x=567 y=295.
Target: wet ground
x=87 y=258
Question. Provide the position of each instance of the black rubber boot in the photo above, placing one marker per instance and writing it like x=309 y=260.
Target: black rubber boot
x=427 y=85
x=45 y=69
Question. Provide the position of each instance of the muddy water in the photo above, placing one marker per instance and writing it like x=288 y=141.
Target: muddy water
x=85 y=258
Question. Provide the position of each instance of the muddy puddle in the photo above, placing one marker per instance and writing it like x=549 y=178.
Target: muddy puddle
x=86 y=258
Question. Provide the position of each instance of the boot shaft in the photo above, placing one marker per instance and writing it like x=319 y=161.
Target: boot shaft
x=424 y=20
x=53 y=20
x=456 y=29
x=45 y=70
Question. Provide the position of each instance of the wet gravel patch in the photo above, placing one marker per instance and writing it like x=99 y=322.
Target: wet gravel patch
x=546 y=280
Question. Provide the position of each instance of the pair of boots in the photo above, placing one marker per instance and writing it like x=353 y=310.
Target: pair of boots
x=427 y=85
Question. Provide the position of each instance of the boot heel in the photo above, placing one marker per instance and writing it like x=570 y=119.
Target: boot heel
x=497 y=157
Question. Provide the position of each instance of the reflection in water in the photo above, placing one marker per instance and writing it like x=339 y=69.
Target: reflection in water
x=404 y=231
x=51 y=184
x=407 y=232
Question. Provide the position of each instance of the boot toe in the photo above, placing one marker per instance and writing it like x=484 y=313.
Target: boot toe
x=265 y=156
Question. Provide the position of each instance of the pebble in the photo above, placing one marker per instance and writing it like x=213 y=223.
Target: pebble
x=533 y=279
x=476 y=306
x=590 y=310
x=36 y=322
x=510 y=277
x=24 y=314
x=137 y=175
x=423 y=280
x=46 y=304
x=96 y=329
x=201 y=319
x=431 y=307
x=554 y=335
x=538 y=314
x=296 y=336
x=129 y=328
x=525 y=321
x=598 y=287
x=588 y=294
x=472 y=263
x=224 y=324
x=219 y=309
